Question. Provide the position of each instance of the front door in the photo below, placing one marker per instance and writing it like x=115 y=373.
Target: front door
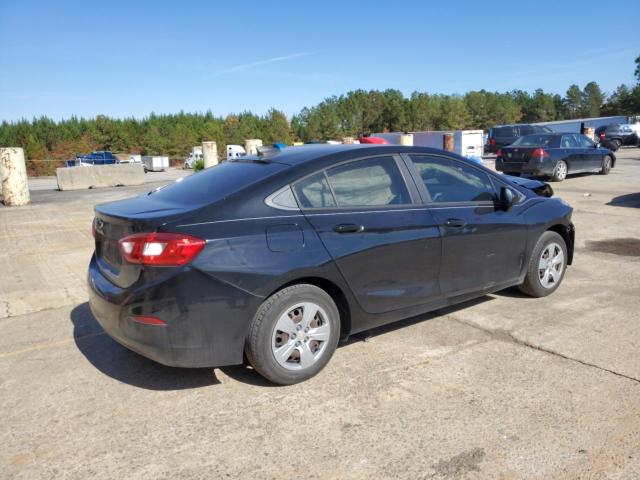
x=482 y=244
x=384 y=242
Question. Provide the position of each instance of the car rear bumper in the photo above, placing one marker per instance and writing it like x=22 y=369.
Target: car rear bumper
x=539 y=169
x=206 y=320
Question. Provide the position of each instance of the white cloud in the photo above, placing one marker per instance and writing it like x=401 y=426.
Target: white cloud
x=248 y=66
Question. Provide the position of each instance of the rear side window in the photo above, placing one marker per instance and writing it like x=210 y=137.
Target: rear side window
x=526 y=129
x=314 y=192
x=215 y=183
x=371 y=182
x=451 y=181
x=568 y=141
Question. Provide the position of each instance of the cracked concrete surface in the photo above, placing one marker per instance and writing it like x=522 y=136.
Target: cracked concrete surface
x=503 y=387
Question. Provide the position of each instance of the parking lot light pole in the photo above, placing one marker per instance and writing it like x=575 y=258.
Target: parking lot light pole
x=13 y=171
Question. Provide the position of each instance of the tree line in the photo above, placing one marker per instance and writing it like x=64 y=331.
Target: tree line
x=352 y=114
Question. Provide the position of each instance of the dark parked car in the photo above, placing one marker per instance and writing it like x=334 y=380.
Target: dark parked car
x=554 y=155
x=280 y=256
x=615 y=135
x=502 y=135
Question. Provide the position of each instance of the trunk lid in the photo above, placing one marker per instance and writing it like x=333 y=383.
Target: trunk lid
x=517 y=154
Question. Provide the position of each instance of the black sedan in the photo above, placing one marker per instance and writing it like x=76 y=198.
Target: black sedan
x=554 y=155
x=279 y=256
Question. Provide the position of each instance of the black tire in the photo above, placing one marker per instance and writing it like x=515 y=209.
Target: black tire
x=260 y=340
x=560 y=171
x=615 y=144
x=532 y=284
x=606 y=165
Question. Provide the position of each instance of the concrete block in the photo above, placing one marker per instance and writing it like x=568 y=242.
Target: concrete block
x=78 y=178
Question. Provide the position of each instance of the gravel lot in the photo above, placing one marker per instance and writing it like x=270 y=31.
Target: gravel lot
x=504 y=387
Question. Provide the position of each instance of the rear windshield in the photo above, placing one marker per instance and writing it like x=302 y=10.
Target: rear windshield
x=215 y=183
x=535 y=140
x=502 y=132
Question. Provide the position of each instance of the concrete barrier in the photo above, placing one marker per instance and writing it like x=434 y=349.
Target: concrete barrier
x=406 y=139
x=210 y=154
x=78 y=178
x=251 y=145
x=13 y=176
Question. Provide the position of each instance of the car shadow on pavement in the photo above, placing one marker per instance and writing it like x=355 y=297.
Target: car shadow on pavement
x=119 y=363
x=126 y=366
x=631 y=200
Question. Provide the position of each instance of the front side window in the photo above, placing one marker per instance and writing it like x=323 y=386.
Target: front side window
x=314 y=192
x=451 y=181
x=584 y=141
x=370 y=182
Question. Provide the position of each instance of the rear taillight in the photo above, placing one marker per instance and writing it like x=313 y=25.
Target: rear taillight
x=160 y=249
x=602 y=135
x=499 y=154
x=540 y=153
x=492 y=141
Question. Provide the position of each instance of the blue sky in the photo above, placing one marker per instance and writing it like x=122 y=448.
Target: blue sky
x=129 y=58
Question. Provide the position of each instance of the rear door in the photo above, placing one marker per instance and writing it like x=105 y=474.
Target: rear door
x=482 y=245
x=384 y=242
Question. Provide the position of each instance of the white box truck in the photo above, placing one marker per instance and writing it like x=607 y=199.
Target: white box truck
x=155 y=163
x=467 y=143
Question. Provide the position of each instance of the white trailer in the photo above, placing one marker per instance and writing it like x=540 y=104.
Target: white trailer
x=155 y=163
x=235 y=151
x=467 y=143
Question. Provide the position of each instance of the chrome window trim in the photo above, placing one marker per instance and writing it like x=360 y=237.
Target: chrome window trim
x=269 y=201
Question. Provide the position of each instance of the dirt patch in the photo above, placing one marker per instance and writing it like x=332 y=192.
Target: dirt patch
x=628 y=247
x=467 y=461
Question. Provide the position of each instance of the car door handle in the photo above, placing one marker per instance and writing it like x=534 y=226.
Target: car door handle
x=348 y=228
x=455 y=223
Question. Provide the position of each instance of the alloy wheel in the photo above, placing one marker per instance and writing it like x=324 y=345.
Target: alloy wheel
x=551 y=265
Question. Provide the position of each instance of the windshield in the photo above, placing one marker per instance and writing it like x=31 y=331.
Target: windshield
x=536 y=140
x=215 y=183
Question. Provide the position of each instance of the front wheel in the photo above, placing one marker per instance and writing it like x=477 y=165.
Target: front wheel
x=560 y=172
x=547 y=266
x=606 y=166
x=293 y=334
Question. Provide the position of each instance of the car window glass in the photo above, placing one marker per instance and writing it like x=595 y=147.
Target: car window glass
x=525 y=129
x=371 y=182
x=314 y=192
x=584 y=141
x=452 y=181
x=568 y=141
x=503 y=132
x=537 y=140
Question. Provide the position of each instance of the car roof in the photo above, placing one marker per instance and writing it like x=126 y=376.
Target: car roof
x=302 y=154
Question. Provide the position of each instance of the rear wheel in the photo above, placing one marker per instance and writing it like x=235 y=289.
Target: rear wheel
x=606 y=165
x=560 y=172
x=547 y=266
x=293 y=334
x=615 y=144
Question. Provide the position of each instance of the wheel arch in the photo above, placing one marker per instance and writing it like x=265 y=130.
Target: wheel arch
x=333 y=290
x=567 y=232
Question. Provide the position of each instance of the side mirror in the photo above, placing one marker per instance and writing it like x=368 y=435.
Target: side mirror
x=507 y=198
